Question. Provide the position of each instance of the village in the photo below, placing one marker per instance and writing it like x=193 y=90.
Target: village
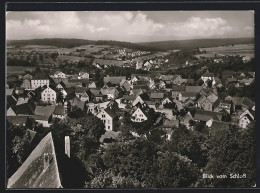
x=42 y=97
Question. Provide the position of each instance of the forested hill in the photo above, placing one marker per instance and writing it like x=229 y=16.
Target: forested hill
x=70 y=43
x=197 y=43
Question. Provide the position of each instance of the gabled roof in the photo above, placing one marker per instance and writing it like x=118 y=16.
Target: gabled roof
x=20 y=120
x=110 y=112
x=207 y=74
x=246 y=102
x=107 y=91
x=59 y=110
x=178 y=88
x=171 y=123
x=194 y=89
x=96 y=92
x=157 y=95
x=44 y=110
x=77 y=103
x=202 y=115
x=114 y=79
x=25 y=109
x=41 y=76
x=62 y=84
x=32 y=174
x=9 y=92
x=81 y=90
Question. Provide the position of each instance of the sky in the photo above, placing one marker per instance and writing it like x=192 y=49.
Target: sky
x=130 y=26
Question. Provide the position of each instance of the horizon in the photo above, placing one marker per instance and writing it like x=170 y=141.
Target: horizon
x=126 y=41
x=129 y=26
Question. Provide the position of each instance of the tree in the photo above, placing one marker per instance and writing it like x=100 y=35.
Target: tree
x=176 y=171
x=231 y=151
x=21 y=147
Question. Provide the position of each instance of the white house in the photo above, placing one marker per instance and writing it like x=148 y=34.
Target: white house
x=59 y=74
x=207 y=76
x=83 y=75
x=138 y=99
x=245 y=118
x=48 y=95
x=40 y=79
x=138 y=116
x=107 y=116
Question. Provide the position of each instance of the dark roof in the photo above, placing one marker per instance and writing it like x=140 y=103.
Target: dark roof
x=110 y=112
x=157 y=95
x=44 y=110
x=20 y=120
x=114 y=79
x=207 y=74
x=170 y=123
x=9 y=91
x=41 y=76
x=24 y=109
x=59 y=110
x=81 y=89
x=194 y=89
x=246 y=102
x=202 y=115
x=178 y=88
x=31 y=174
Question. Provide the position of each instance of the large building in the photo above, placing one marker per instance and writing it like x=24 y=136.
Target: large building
x=48 y=95
x=40 y=79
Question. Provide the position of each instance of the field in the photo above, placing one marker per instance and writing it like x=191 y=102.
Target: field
x=230 y=50
x=11 y=70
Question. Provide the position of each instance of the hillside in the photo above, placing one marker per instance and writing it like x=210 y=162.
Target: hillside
x=196 y=43
x=70 y=43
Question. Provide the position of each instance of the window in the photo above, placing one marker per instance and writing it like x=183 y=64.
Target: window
x=108 y=127
x=108 y=121
x=103 y=116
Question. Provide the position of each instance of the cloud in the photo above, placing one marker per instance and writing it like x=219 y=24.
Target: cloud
x=122 y=26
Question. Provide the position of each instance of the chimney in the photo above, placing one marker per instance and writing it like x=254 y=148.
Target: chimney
x=46 y=160
x=67 y=146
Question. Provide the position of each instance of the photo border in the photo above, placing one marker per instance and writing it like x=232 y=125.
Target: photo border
x=130 y=6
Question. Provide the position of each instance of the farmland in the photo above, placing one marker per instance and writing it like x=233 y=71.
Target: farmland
x=230 y=50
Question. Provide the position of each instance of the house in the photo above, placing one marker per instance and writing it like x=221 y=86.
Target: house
x=241 y=103
x=59 y=112
x=247 y=82
x=97 y=95
x=171 y=123
x=43 y=115
x=59 y=74
x=111 y=93
x=24 y=109
x=156 y=96
x=40 y=79
x=176 y=90
x=83 y=75
x=186 y=119
x=26 y=84
x=68 y=93
x=48 y=95
x=82 y=93
x=61 y=86
x=246 y=118
x=20 y=120
x=92 y=85
x=126 y=85
x=220 y=105
x=177 y=79
x=108 y=117
x=166 y=100
x=139 y=115
x=207 y=116
x=10 y=112
x=246 y=59
x=207 y=76
x=114 y=80
x=22 y=100
x=205 y=103
x=138 y=99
